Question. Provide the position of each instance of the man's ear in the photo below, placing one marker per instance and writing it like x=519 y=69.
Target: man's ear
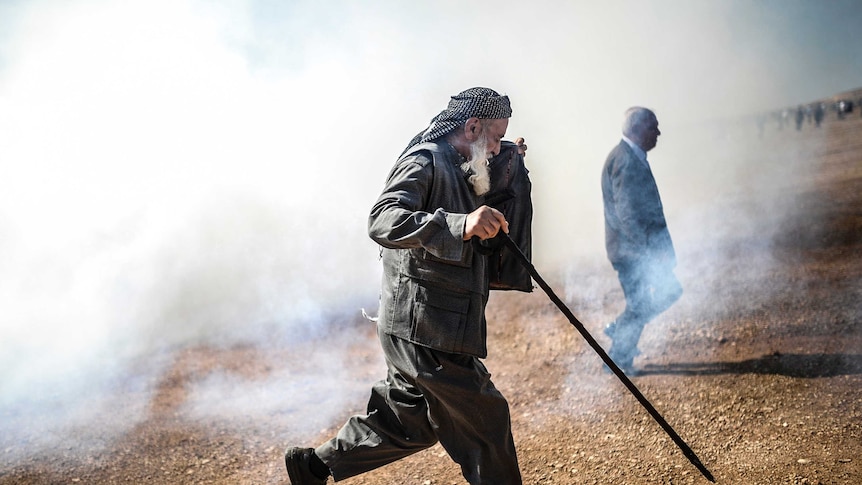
x=473 y=129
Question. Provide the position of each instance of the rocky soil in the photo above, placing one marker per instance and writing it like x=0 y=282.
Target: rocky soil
x=758 y=368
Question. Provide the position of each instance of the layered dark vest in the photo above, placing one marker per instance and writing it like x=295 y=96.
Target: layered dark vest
x=510 y=194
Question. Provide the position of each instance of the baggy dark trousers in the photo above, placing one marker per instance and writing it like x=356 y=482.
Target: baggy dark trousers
x=649 y=290
x=428 y=396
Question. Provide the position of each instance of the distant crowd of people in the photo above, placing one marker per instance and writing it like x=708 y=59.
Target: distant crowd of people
x=813 y=114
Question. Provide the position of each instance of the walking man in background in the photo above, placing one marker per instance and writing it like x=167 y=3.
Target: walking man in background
x=431 y=321
x=636 y=236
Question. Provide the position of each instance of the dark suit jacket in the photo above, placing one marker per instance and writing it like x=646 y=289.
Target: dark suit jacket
x=635 y=227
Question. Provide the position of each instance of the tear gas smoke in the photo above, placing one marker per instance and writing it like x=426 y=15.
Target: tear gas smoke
x=164 y=199
x=180 y=173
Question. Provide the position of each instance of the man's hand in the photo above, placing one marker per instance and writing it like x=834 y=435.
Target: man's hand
x=484 y=223
x=522 y=145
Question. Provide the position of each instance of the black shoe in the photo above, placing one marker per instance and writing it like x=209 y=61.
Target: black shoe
x=298 y=469
x=624 y=360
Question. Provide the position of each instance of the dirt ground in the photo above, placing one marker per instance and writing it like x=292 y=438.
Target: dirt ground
x=764 y=390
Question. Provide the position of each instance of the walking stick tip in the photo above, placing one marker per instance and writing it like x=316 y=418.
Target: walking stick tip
x=700 y=466
x=687 y=451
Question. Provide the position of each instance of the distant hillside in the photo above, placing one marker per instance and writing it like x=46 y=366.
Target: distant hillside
x=829 y=206
x=767 y=178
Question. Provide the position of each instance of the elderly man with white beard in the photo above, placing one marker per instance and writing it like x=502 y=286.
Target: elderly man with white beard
x=431 y=322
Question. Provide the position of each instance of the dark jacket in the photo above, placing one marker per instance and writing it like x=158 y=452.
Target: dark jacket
x=435 y=286
x=635 y=226
x=510 y=194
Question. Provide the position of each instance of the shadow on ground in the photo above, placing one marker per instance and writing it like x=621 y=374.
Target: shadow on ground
x=791 y=365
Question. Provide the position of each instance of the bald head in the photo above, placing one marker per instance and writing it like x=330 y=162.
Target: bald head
x=640 y=125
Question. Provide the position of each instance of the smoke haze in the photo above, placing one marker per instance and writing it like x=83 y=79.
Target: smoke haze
x=175 y=173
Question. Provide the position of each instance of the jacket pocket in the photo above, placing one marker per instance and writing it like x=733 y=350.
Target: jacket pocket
x=440 y=318
x=466 y=260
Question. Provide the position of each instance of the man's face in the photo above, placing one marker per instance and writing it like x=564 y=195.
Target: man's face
x=649 y=134
x=485 y=146
x=494 y=131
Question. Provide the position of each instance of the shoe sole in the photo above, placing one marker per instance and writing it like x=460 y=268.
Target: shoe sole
x=292 y=459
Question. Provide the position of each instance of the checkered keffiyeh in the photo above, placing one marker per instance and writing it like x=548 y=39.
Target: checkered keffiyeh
x=480 y=103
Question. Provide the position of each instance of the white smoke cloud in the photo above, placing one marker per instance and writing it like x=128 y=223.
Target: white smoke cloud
x=157 y=194
x=182 y=172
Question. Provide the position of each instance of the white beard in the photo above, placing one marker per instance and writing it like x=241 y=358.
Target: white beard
x=477 y=167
